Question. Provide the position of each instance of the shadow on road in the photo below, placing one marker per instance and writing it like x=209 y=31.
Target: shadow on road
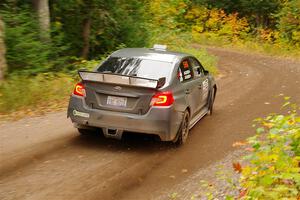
x=130 y=141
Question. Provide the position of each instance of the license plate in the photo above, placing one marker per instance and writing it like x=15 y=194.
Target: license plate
x=116 y=101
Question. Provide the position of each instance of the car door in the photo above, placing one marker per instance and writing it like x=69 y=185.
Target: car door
x=202 y=82
x=186 y=77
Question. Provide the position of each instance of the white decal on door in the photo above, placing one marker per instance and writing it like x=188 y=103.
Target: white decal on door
x=205 y=89
x=187 y=76
x=187 y=72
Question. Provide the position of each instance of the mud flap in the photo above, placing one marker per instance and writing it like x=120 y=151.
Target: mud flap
x=179 y=128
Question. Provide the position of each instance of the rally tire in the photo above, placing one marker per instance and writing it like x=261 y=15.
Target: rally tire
x=183 y=130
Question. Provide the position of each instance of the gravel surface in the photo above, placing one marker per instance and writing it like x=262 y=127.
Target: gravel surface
x=217 y=179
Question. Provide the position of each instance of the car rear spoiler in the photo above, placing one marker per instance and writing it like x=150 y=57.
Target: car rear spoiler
x=121 y=79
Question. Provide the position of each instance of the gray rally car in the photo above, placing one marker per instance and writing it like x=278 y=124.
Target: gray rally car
x=150 y=91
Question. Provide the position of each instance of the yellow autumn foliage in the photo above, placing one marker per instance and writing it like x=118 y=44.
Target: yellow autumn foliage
x=216 y=23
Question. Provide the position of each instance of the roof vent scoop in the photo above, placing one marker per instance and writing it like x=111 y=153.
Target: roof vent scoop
x=159 y=47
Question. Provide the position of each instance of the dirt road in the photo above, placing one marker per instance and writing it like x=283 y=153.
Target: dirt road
x=45 y=158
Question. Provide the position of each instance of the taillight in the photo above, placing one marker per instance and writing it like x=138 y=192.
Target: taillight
x=79 y=90
x=162 y=99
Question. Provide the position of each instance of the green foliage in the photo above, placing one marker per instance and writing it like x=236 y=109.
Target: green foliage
x=274 y=171
x=80 y=64
x=274 y=31
x=168 y=27
x=260 y=13
x=165 y=22
x=271 y=162
x=216 y=24
x=25 y=51
x=289 y=23
x=267 y=26
x=43 y=91
x=112 y=23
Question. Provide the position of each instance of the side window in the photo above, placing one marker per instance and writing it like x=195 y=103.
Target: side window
x=197 y=67
x=185 y=72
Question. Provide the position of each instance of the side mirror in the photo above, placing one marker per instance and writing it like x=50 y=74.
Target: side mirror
x=206 y=72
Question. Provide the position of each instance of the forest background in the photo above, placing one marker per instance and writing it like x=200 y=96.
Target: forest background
x=44 y=42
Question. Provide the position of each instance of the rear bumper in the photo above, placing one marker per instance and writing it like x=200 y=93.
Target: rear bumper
x=163 y=122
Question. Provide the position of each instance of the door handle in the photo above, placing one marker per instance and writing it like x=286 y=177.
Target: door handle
x=187 y=91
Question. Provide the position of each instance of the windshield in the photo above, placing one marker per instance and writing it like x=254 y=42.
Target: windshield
x=139 y=67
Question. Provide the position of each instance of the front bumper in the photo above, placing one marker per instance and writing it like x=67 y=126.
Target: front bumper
x=160 y=121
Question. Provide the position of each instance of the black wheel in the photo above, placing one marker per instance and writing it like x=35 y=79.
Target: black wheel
x=211 y=102
x=85 y=132
x=183 y=130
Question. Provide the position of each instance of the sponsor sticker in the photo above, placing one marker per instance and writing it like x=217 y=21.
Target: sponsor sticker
x=205 y=89
x=187 y=76
x=205 y=85
x=187 y=72
x=81 y=114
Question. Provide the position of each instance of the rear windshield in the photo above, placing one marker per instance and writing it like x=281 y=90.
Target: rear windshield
x=144 y=68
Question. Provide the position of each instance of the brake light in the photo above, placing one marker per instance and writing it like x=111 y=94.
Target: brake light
x=162 y=99
x=79 y=90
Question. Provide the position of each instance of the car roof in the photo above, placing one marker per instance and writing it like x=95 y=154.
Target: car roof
x=151 y=54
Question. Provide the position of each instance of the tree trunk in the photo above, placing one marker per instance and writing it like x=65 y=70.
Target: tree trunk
x=86 y=38
x=266 y=21
x=3 y=65
x=257 y=20
x=42 y=9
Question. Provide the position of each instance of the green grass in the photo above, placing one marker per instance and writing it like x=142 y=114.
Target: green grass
x=31 y=93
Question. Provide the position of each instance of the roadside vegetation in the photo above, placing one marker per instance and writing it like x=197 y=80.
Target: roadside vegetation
x=43 y=42
x=269 y=166
x=271 y=26
x=272 y=169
